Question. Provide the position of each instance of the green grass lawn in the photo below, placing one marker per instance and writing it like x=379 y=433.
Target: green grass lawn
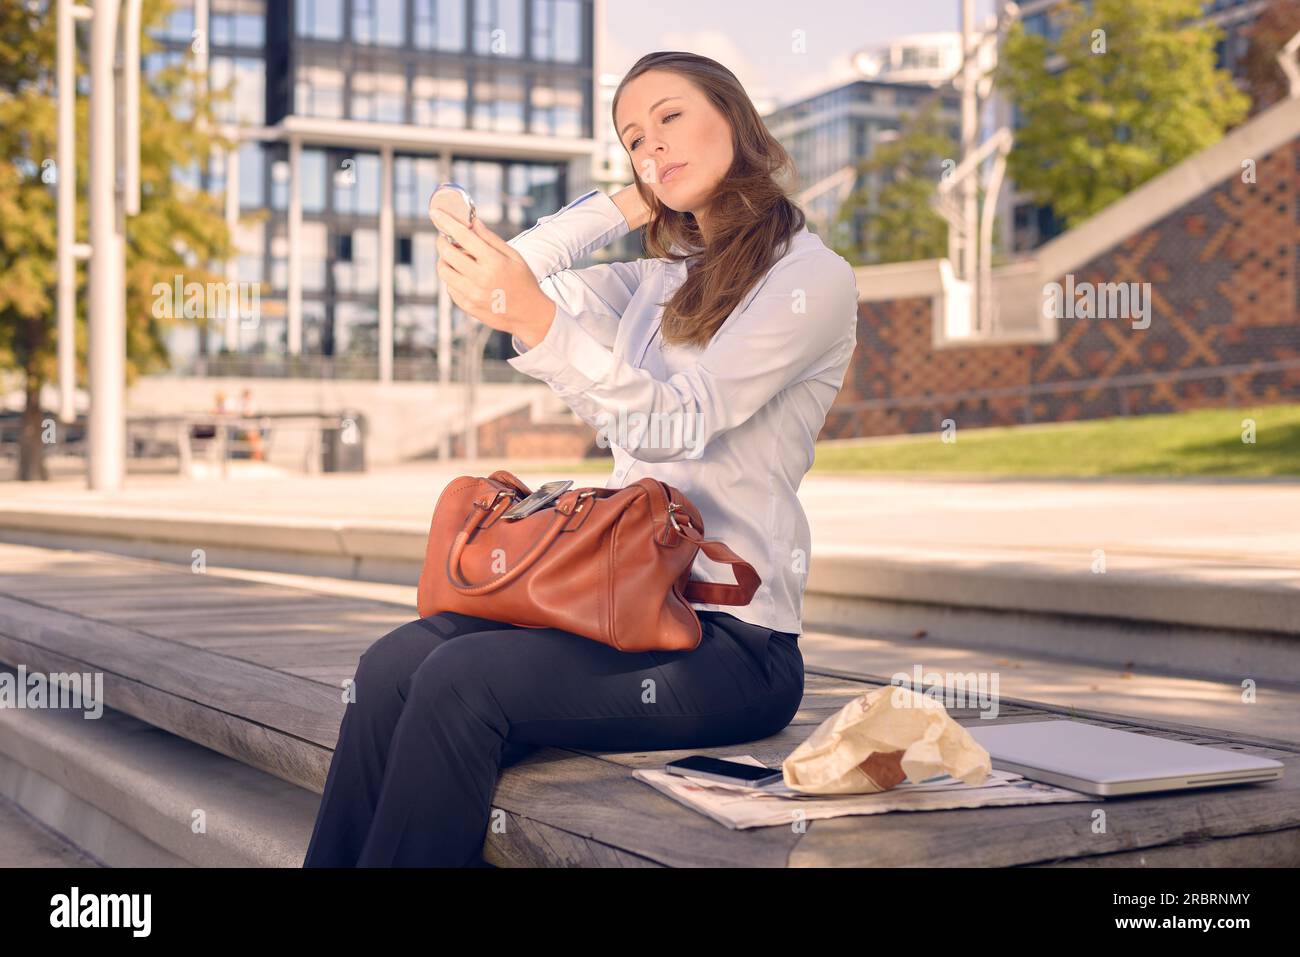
x=1205 y=442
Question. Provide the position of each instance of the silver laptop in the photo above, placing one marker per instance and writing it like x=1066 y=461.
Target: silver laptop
x=1104 y=761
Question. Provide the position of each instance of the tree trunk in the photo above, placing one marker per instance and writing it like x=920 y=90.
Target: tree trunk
x=31 y=448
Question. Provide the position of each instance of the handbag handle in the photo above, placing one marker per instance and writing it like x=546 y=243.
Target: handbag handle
x=712 y=593
x=509 y=478
x=721 y=593
x=530 y=557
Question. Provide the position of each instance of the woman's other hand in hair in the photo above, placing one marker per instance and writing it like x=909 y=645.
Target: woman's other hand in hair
x=632 y=206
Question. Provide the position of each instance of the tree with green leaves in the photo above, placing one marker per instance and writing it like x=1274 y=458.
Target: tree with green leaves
x=1129 y=89
x=180 y=229
x=898 y=180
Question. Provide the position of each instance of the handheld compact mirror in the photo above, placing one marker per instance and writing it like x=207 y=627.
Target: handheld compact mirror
x=454 y=200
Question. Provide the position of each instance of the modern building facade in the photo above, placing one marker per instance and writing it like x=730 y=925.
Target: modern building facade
x=829 y=133
x=929 y=58
x=347 y=114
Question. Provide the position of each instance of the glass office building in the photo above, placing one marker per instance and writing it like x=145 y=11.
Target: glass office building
x=347 y=114
x=829 y=133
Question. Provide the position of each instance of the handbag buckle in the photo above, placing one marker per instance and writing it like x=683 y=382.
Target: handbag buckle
x=489 y=505
x=673 y=508
x=578 y=503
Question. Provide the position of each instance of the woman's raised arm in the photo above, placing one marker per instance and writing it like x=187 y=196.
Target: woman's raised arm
x=596 y=295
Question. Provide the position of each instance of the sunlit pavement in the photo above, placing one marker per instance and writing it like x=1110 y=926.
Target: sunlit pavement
x=1234 y=522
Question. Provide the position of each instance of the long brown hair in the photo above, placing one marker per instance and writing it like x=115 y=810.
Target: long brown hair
x=751 y=219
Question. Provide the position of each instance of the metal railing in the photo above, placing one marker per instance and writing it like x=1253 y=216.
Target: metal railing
x=360 y=368
x=220 y=435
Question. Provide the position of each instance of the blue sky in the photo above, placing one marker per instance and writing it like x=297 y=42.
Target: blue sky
x=753 y=37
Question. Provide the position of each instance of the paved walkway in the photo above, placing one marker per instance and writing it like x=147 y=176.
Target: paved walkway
x=1228 y=523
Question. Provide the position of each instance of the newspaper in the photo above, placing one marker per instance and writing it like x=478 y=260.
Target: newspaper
x=740 y=806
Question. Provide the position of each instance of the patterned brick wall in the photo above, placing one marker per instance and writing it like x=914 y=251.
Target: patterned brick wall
x=1224 y=271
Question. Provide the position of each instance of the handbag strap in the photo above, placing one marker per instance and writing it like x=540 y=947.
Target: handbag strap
x=713 y=593
x=721 y=593
x=509 y=478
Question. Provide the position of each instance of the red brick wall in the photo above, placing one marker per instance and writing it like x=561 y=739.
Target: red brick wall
x=1225 y=289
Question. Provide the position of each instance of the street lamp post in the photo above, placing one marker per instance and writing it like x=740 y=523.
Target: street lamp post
x=66 y=204
x=110 y=203
x=970 y=228
x=107 y=307
x=476 y=340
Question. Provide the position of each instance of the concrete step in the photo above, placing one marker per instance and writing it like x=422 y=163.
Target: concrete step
x=131 y=795
x=26 y=842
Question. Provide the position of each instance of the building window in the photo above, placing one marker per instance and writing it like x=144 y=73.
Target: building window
x=319 y=92
x=216 y=172
x=499 y=101
x=485 y=181
x=179 y=24
x=314 y=253
x=311 y=181
x=381 y=22
x=152 y=64
x=249 y=239
x=557 y=107
x=499 y=27
x=439 y=24
x=357 y=192
x=356 y=330
x=242 y=81
x=415 y=331
x=279 y=256
x=313 y=327
x=356 y=269
x=557 y=31
x=415 y=272
x=321 y=19
x=238 y=23
x=440 y=101
x=414 y=180
x=252 y=176
x=378 y=97
x=280 y=180
x=534 y=192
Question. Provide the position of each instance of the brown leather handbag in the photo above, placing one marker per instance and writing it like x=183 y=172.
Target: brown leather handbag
x=613 y=565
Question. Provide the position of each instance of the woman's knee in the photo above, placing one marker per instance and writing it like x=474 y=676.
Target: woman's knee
x=392 y=657
x=459 y=674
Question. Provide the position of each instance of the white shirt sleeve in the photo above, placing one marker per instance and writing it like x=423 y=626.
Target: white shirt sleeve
x=595 y=296
x=803 y=314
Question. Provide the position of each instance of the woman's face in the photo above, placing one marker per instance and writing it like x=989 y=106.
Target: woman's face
x=664 y=120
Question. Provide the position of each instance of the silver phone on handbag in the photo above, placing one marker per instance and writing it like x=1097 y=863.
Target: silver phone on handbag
x=541 y=498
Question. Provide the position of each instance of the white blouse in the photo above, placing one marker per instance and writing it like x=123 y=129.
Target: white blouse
x=732 y=424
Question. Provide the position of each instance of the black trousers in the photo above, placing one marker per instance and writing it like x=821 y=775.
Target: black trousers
x=443 y=703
